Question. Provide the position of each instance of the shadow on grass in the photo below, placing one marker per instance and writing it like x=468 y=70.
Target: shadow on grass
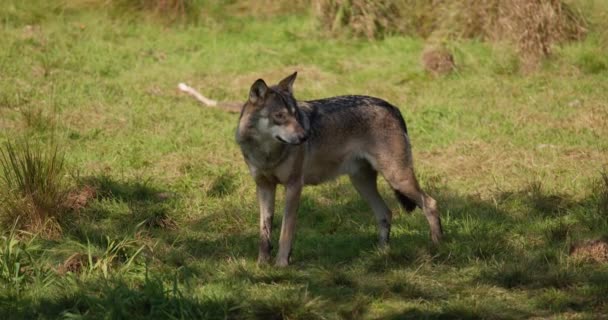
x=336 y=235
x=332 y=231
x=121 y=207
x=459 y=312
x=538 y=202
x=119 y=299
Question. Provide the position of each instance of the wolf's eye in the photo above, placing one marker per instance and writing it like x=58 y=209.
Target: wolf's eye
x=280 y=116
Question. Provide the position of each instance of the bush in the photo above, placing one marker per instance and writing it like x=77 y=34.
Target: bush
x=34 y=191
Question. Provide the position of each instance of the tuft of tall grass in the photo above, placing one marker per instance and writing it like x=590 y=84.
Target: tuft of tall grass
x=34 y=190
x=117 y=255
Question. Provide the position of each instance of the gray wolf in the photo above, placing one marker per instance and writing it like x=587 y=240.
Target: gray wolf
x=297 y=143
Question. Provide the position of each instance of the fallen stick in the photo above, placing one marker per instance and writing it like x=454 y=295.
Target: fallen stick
x=233 y=107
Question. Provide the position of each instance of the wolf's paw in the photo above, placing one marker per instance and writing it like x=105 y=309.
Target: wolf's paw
x=263 y=259
x=437 y=237
x=282 y=263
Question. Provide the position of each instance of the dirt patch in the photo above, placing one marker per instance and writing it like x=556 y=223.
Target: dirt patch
x=78 y=199
x=590 y=251
x=74 y=264
x=161 y=222
x=438 y=61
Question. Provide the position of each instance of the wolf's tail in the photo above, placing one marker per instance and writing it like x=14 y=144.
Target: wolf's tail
x=408 y=204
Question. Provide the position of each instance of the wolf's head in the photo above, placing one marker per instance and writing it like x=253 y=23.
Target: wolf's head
x=273 y=111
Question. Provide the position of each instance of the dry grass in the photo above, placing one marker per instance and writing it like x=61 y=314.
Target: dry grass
x=591 y=251
x=167 y=10
x=534 y=27
x=268 y=8
x=466 y=18
x=193 y=10
x=374 y=19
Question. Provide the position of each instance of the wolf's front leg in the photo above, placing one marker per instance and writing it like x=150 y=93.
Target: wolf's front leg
x=293 y=191
x=266 y=194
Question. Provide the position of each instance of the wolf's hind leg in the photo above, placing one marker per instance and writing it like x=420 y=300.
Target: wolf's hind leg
x=365 y=182
x=406 y=185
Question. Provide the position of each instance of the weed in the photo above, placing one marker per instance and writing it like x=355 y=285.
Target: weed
x=117 y=255
x=16 y=260
x=36 y=119
x=35 y=190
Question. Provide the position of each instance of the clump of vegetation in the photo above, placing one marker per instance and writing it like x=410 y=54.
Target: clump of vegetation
x=375 y=19
x=533 y=27
x=17 y=265
x=114 y=255
x=438 y=60
x=34 y=190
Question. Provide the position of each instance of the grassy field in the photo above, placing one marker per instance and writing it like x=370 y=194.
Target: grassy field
x=518 y=165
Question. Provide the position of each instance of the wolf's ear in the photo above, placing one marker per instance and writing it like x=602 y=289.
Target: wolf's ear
x=258 y=91
x=287 y=83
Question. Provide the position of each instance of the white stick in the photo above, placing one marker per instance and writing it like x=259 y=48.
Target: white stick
x=189 y=90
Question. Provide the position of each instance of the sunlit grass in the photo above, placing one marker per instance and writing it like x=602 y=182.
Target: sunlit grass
x=167 y=226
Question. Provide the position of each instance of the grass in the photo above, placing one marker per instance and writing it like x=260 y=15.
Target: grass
x=170 y=230
x=34 y=191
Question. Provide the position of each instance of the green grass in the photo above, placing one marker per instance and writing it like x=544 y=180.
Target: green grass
x=515 y=162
